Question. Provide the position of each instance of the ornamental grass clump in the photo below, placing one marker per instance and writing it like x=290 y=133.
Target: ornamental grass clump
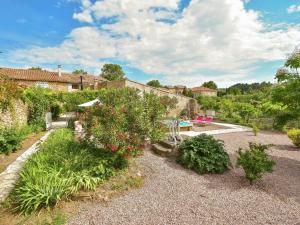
x=255 y=161
x=60 y=169
x=204 y=154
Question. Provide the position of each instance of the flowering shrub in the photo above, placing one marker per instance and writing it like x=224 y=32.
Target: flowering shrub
x=125 y=120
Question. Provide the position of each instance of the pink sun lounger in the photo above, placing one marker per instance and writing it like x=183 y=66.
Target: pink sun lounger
x=202 y=120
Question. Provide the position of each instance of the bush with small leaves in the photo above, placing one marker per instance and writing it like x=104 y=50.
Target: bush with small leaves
x=204 y=154
x=294 y=135
x=255 y=161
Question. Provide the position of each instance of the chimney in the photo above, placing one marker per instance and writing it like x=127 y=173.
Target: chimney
x=59 y=70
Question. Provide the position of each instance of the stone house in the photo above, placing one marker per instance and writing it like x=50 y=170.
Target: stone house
x=177 y=89
x=204 y=91
x=53 y=80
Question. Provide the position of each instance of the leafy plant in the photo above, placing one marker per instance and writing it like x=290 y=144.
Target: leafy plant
x=125 y=120
x=255 y=161
x=60 y=169
x=10 y=140
x=255 y=129
x=204 y=154
x=294 y=135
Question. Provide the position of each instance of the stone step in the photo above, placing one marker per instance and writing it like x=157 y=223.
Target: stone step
x=167 y=144
x=162 y=151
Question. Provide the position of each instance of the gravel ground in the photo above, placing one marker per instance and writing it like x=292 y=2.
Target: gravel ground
x=173 y=195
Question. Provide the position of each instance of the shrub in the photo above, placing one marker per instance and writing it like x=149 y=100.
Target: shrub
x=125 y=120
x=10 y=140
x=294 y=135
x=56 y=110
x=61 y=168
x=255 y=129
x=204 y=154
x=255 y=161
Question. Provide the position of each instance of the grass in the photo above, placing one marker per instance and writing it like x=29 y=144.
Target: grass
x=60 y=169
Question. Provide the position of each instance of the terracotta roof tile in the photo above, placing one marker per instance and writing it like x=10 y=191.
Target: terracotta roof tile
x=47 y=76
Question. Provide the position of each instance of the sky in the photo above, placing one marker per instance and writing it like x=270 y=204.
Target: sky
x=183 y=42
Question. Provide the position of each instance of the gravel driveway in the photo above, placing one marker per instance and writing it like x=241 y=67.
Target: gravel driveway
x=173 y=195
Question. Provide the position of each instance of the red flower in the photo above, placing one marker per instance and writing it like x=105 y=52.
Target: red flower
x=129 y=148
x=113 y=148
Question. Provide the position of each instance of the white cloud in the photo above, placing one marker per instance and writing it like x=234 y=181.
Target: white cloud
x=214 y=35
x=293 y=8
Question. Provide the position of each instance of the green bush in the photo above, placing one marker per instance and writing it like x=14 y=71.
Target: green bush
x=255 y=161
x=125 y=120
x=294 y=135
x=61 y=168
x=10 y=140
x=204 y=154
x=56 y=110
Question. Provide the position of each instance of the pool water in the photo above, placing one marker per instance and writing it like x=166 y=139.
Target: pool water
x=184 y=124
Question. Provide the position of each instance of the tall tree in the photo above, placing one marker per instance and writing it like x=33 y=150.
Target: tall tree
x=154 y=83
x=293 y=61
x=112 y=72
x=79 y=71
x=210 y=84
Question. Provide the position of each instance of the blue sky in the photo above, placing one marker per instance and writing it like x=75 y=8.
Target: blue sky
x=175 y=41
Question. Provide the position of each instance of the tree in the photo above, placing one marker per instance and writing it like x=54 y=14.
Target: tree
x=112 y=72
x=293 y=61
x=187 y=92
x=35 y=68
x=154 y=83
x=287 y=92
x=281 y=75
x=79 y=71
x=210 y=84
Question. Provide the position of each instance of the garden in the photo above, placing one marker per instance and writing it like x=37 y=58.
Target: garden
x=118 y=129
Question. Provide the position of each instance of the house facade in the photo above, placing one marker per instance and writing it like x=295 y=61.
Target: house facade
x=53 y=80
x=203 y=91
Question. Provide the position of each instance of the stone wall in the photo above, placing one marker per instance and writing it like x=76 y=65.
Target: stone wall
x=184 y=103
x=14 y=116
x=52 y=85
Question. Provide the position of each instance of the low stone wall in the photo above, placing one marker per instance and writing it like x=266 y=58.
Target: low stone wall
x=14 y=116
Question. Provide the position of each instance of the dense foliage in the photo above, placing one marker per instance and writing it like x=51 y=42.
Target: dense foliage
x=255 y=161
x=210 y=84
x=61 y=168
x=294 y=135
x=204 y=154
x=9 y=91
x=79 y=71
x=11 y=138
x=112 y=72
x=154 y=83
x=125 y=120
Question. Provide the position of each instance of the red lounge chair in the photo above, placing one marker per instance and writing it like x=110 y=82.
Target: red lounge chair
x=209 y=119
x=199 y=119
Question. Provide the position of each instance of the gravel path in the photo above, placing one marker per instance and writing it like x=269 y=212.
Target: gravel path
x=173 y=195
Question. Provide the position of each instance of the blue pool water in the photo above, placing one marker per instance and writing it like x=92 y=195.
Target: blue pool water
x=184 y=124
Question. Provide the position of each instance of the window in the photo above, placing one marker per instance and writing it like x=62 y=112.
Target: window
x=42 y=84
x=75 y=86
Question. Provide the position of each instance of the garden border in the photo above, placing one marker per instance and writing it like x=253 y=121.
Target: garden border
x=10 y=175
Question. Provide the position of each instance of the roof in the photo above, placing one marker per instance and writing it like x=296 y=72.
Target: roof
x=48 y=76
x=202 y=89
